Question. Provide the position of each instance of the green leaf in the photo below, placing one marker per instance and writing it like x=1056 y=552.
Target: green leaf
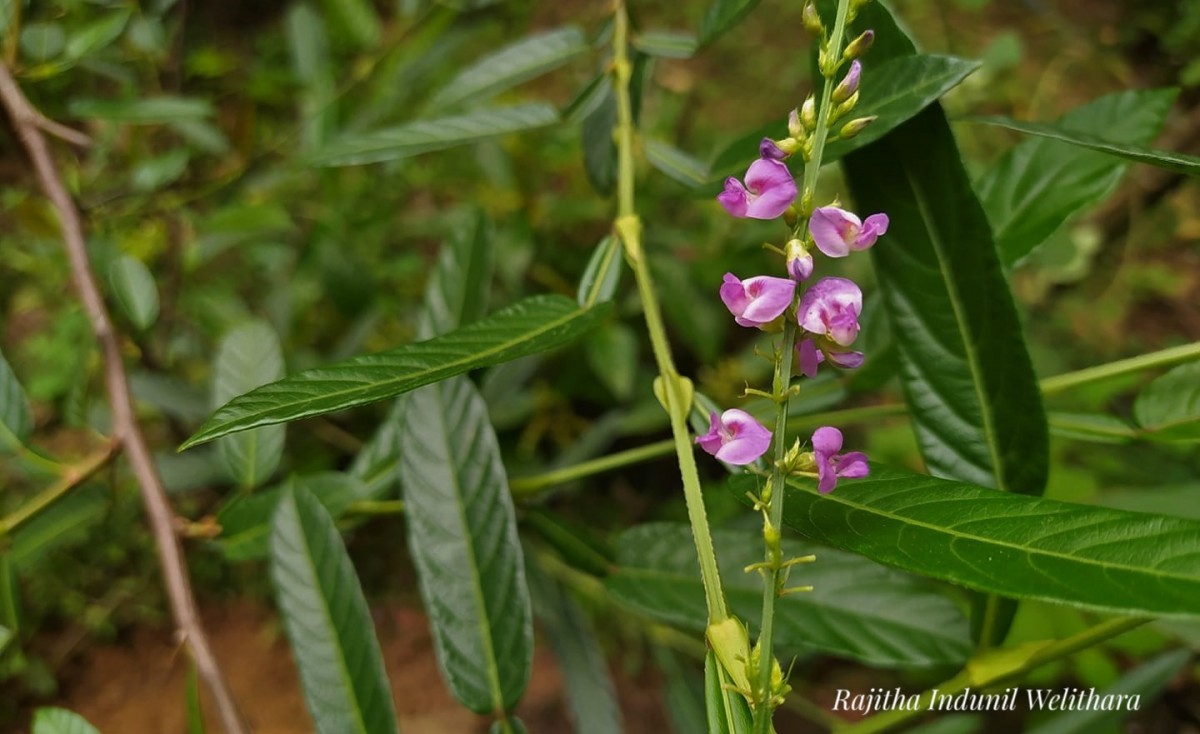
x=1146 y=681
x=675 y=163
x=310 y=57
x=191 y=702
x=16 y=417
x=534 y=325
x=1005 y=543
x=134 y=287
x=149 y=111
x=326 y=617
x=424 y=136
x=723 y=15
x=857 y=609
x=521 y=61
x=612 y=353
x=463 y=537
x=357 y=18
x=509 y=725
x=591 y=697
x=249 y=356
x=6 y=636
x=154 y=173
x=602 y=274
x=599 y=148
x=1189 y=165
x=457 y=291
x=42 y=41
x=683 y=692
x=61 y=721
x=1094 y=427
x=1169 y=408
x=726 y=711
x=1040 y=183
x=66 y=521
x=667 y=44
x=968 y=379
x=96 y=36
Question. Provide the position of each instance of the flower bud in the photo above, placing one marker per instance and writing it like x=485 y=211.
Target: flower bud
x=795 y=129
x=799 y=261
x=844 y=108
x=808 y=113
x=770 y=149
x=812 y=20
x=860 y=45
x=855 y=126
x=849 y=84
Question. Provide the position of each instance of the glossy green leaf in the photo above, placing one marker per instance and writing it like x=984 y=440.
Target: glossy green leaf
x=968 y=379
x=602 y=274
x=591 y=697
x=516 y=63
x=675 y=163
x=64 y=522
x=134 y=287
x=356 y=18
x=726 y=711
x=1169 y=408
x=424 y=136
x=327 y=620
x=1146 y=681
x=61 y=721
x=16 y=417
x=1041 y=183
x=1189 y=165
x=463 y=537
x=666 y=44
x=1006 y=543
x=723 y=15
x=149 y=111
x=857 y=609
x=248 y=356
x=534 y=325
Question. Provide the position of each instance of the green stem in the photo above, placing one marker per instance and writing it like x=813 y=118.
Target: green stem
x=525 y=486
x=375 y=507
x=775 y=574
x=969 y=678
x=676 y=390
x=72 y=477
x=1163 y=358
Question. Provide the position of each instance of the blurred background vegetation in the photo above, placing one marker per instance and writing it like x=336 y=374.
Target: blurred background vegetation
x=201 y=116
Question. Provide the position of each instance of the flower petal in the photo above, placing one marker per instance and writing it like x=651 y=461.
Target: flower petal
x=846 y=360
x=833 y=229
x=772 y=189
x=826 y=441
x=809 y=357
x=826 y=475
x=750 y=439
x=734 y=198
x=769 y=297
x=711 y=441
x=733 y=294
x=768 y=149
x=852 y=465
x=873 y=228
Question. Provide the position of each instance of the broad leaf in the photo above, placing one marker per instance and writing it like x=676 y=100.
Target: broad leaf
x=1005 y=543
x=519 y=62
x=326 y=617
x=534 y=325
x=134 y=287
x=1169 y=408
x=857 y=609
x=249 y=356
x=602 y=274
x=463 y=537
x=1040 y=183
x=148 y=111
x=1189 y=165
x=723 y=15
x=424 y=136
x=16 y=418
x=61 y=721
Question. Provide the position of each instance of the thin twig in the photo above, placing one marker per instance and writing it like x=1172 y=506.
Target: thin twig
x=61 y=131
x=125 y=427
x=73 y=476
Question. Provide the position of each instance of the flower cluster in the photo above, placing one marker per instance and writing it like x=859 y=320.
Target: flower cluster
x=825 y=311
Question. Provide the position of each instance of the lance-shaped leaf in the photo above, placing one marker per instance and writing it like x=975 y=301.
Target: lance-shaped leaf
x=723 y=15
x=249 y=356
x=463 y=536
x=857 y=609
x=150 y=111
x=61 y=721
x=1169 y=408
x=534 y=325
x=521 y=61
x=1040 y=183
x=424 y=136
x=1005 y=543
x=326 y=617
x=966 y=374
x=16 y=418
x=1189 y=165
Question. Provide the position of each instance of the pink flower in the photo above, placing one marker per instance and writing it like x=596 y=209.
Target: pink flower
x=809 y=354
x=836 y=231
x=734 y=437
x=767 y=149
x=830 y=309
x=768 y=192
x=799 y=261
x=826 y=443
x=759 y=300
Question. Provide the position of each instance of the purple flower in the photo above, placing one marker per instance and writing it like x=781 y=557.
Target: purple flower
x=809 y=355
x=836 y=231
x=826 y=443
x=849 y=83
x=769 y=191
x=768 y=150
x=830 y=309
x=735 y=437
x=759 y=300
x=799 y=261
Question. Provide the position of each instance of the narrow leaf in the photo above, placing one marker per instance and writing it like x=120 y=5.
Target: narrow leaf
x=149 y=111
x=249 y=356
x=666 y=44
x=1040 y=183
x=463 y=537
x=16 y=417
x=326 y=617
x=6 y=636
x=64 y=522
x=534 y=325
x=723 y=15
x=61 y=721
x=95 y=36
x=1189 y=165
x=424 y=136
x=675 y=163
x=457 y=291
x=1169 y=408
x=1094 y=427
x=356 y=18
x=599 y=148
x=602 y=274
x=1005 y=543
x=135 y=290
x=727 y=711
x=857 y=609
x=519 y=62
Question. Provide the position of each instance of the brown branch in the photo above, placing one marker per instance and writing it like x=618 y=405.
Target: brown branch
x=125 y=427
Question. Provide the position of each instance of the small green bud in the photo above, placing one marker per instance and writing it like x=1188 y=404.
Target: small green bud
x=812 y=20
x=860 y=45
x=808 y=113
x=855 y=126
